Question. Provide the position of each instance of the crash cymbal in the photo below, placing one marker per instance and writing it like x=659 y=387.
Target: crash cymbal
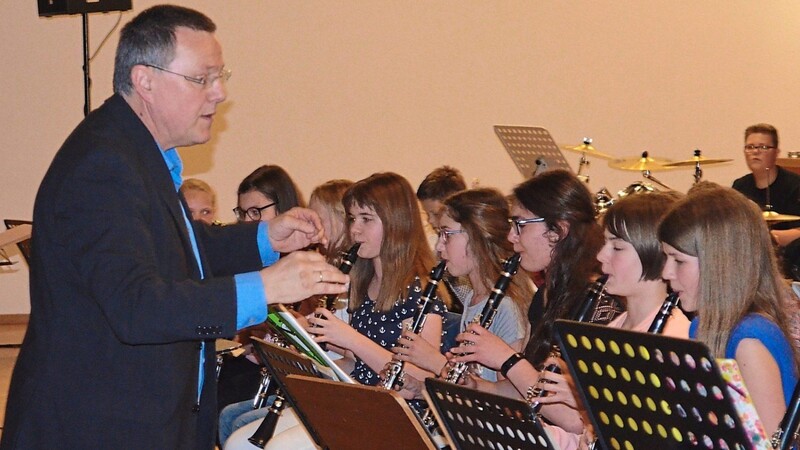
x=772 y=216
x=697 y=158
x=643 y=162
x=587 y=149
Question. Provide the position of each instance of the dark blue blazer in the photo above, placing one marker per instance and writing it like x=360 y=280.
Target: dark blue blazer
x=118 y=310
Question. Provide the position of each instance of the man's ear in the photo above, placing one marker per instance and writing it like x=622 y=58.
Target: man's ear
x=142 y=81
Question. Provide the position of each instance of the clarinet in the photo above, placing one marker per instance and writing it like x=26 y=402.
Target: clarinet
x=348 y=259
x=267 y=428
x=486 y=317
x=594 y=294
x=787 y=432
x=329 y=301
x=657 y=327
x=394 y=372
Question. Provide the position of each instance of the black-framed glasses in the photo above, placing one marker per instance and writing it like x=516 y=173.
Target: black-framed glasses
x=520 y=223
x=206 y=80
x=253 y=213
x=751 y=148
x=444 y=233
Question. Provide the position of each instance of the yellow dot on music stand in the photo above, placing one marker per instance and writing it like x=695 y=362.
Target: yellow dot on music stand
x=604 y=418
x=618 y=421
x=655 y=380
x=615 y=444
x=608 y=395
x=593 y=392
x=571 y=341
x=611 y=371
x=651 y=405
x=582 y=366
x=587 y=344
x=614 y=347
x=626 y=375
x=632 y=424
x=622 y=398
x=665 y=407
x=600 y=345
x=646 y=427
x=637 y=402
x=639 y=376
x=644 y=353
x=597 y=369
x=676 y=434
x=629 y=350
x=661 y=431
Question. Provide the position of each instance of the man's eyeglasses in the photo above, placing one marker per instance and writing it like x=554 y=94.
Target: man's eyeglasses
x=750 y=148
x=206 y=81
x=519 y=223
x=444 y=233
x=253 y=213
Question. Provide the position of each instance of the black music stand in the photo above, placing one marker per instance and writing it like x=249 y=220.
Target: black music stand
x=646 y=391
x=478 y=420
x=532 y=149
x=25 y=245
x=280 y=363
x=348 y=416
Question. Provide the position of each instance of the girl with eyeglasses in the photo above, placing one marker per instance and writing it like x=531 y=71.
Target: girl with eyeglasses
x=265 y=193
x=555 y=232
x=473 y=228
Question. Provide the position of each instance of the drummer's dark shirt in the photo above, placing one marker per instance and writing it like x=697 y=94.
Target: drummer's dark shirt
x=784 y=195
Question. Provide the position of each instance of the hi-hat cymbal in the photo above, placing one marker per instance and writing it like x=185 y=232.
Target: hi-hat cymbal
x=640 y=163
x=587 y=149
x=772 y=216
x=697 y=159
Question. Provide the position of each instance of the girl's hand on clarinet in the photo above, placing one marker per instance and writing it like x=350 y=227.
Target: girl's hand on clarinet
x=417 y=350
x=480 y=345
x=330 y=328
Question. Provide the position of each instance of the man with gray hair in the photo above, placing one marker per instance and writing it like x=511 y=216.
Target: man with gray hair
x=127 y=293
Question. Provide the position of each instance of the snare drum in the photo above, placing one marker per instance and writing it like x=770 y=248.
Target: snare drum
x=225 y=347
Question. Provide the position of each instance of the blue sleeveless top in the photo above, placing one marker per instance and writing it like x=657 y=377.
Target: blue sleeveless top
x=756 y=326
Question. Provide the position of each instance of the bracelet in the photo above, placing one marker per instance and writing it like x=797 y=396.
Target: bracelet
x=511 y=362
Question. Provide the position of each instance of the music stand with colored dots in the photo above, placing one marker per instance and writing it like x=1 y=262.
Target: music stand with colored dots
x=646 y=391
x=475 y=420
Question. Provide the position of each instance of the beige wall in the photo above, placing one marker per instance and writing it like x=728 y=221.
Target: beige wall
x=343 y=89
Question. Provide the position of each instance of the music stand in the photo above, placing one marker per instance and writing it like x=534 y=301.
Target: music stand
x=647 y=391
x=478 y=420
x=24 y=245
x=532 y=149
x=280 y=363
x=356 y=416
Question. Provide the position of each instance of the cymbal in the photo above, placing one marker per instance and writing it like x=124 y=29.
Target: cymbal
x=640 y=163
x=772 y=216
x=587 y=149
x=697 y=159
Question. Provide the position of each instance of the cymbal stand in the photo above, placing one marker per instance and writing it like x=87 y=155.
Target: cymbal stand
x=584 y=162
x=698 y=172
x=649 y=175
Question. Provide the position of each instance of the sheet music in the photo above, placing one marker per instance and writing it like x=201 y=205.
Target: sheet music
x=287 y=326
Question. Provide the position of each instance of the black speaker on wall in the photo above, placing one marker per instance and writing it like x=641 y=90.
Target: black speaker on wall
x=61 y=7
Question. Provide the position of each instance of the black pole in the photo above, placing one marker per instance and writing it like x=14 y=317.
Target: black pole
x=87 y=81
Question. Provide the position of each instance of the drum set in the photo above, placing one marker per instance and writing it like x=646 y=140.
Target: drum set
x=646 y=165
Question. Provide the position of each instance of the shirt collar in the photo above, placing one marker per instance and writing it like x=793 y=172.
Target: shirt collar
x=174 y=165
